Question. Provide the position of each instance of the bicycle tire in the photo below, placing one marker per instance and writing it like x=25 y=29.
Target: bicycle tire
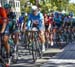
x=34 y=53
x=14 y=60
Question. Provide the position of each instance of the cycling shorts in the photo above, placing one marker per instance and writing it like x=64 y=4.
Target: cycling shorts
x=46 y=26
x=6 y=32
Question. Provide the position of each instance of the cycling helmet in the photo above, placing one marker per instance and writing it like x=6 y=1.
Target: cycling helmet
x=56 y=13
x=34 y=8
x=7 y=6
x=71 y=14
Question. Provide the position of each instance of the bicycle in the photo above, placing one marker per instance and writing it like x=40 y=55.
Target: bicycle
x=34 y=44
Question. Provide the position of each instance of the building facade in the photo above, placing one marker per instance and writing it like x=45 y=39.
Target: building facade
x=15 y=4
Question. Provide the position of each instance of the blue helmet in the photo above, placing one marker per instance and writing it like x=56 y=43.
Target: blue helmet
x=71 y=14
x=56 y=13
x=7 y=6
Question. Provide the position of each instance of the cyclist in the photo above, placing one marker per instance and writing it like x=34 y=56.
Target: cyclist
x=21 y=23
x=66 y=21
x=21 y=20
x=71 y=18
x=51 y=28
x=4 y=30
x=57 y=21
x=48 y=20
x=12 y=27
x=37 y=20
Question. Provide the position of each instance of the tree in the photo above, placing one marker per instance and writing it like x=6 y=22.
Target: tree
x=23 y=2
x=33 y=1
x=60 y=4
x=71 y=8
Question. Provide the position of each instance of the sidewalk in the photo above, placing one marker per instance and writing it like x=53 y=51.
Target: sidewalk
x=63 y=59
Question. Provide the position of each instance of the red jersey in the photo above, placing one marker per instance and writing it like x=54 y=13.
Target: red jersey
x=51 y=20
x=3 y=15
x=46 y=19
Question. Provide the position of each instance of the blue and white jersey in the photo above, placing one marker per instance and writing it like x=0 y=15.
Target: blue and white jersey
x=31 y=18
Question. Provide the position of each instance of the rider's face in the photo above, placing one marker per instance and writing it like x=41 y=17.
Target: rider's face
x=35 y=12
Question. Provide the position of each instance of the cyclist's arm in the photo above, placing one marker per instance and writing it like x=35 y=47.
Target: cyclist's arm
x=4 y=19
x=41 y=18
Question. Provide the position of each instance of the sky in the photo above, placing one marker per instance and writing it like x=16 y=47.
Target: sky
x=72 y=1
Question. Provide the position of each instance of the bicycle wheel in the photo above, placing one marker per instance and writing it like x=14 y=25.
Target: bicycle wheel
x=34 y=52
x=40 y=49
x=15 y=55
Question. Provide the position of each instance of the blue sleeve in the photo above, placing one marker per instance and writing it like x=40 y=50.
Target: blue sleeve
x=41 y=18
x=21 y=19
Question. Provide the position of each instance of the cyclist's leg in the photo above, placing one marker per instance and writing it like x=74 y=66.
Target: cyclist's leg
x=47 y=30
x=42 y=37
x=51 y=34
x=16 y=36
x=5 y=42
x=16 y=42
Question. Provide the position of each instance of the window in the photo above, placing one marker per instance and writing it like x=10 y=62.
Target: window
x=17 y=4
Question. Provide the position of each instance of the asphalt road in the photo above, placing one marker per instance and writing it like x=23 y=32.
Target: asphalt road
x=25 y=59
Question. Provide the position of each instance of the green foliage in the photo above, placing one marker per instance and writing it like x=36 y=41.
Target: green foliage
x=33 y=1
x=46 y=5
x=71 y=8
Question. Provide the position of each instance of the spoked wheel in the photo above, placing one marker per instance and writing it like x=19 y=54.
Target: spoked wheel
x=40 y=54
x=15 y=55
x=39 y=47
x=15 y=59
x=34 y=54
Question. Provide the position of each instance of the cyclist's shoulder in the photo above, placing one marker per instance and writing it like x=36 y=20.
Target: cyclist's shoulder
x=40 y=14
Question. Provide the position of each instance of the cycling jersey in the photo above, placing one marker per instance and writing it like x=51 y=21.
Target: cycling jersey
x=57 y=20
x=3 y=15
x=66 y=19
x=12 y=22
x=3 y=18
x=51 y=20
x=21 y=19
x=32 y=18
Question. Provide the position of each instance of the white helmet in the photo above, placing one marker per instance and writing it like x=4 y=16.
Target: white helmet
x=34 y=8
